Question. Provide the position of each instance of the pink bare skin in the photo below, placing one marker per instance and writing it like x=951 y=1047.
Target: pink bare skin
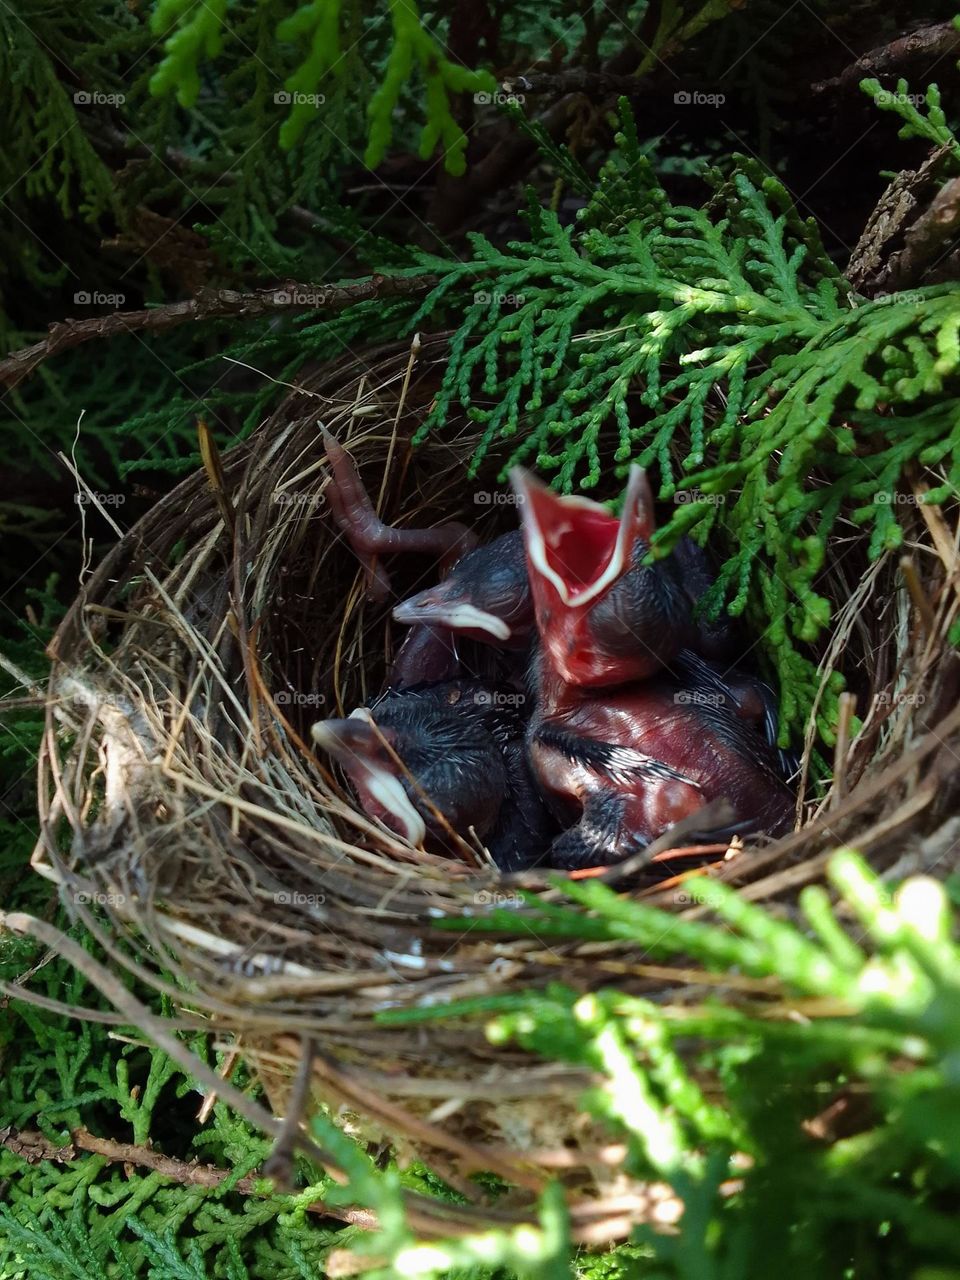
x=629 y=736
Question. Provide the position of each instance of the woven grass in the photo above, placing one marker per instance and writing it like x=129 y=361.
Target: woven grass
x=191 y=826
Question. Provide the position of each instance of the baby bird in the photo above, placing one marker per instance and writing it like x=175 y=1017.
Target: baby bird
x=603 y=616
x=618 y=768
x=631 y=732
x=431 y=760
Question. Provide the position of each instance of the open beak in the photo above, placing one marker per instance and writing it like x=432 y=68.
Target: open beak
x=349 y=741
x=575 y=546
x=577 y=552
x=356 y=746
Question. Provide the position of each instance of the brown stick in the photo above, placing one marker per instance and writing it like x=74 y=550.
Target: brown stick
x=209 y=304
x=847 y=705
x=33 y=1147
x=915 y=589
x=595 y=84
x=928 y=43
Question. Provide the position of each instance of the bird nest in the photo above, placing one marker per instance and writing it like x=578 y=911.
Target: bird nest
x=217 y=859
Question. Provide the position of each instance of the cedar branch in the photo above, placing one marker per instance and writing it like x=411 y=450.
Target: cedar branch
x=33 y=1146
x=918 y=49
x=209 y=304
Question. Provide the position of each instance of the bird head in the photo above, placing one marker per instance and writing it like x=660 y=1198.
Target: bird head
x=422 y=761
x=485 y=597
x=362 y=751
x=579 y=557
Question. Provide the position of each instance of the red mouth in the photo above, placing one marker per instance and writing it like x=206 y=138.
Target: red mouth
x=576 y=544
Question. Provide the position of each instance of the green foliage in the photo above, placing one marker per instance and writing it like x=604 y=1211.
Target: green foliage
x=48 y=161
x=91 y=1216
x=678 y=23
x=67 y=167
x=320 y=20
x=198 y=35
x=931 y=124
x=869 y=993
x=681 y=301
x=315 y=31
x=137 y=379
x=723 y=345
x=541 y=1252
x=413 y=45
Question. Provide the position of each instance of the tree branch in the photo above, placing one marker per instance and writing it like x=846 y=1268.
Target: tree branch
x=209 y=304
x=595 y=84
x=33 y=1146
x=906 y=230
x=927 y=44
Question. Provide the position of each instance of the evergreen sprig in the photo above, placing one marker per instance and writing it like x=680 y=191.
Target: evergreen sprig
x=89 y=1217
x=63 y=164
x=195 y=35
x=922 y=114
x=866 y=998
x=414 y=46
x=722 y=344
x=540 y=1253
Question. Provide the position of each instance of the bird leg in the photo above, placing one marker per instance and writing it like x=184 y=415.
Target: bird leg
x=369 y=537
